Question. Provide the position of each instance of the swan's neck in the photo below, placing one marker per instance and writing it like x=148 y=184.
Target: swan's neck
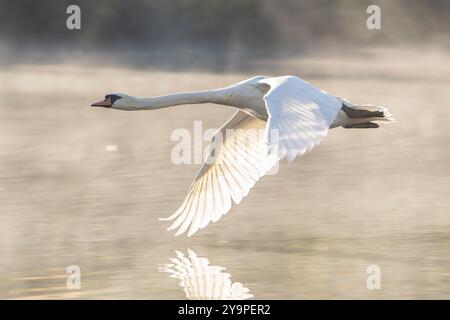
x=219 y=96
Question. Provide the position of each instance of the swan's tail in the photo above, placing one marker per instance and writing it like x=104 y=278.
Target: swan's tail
x=366 y=116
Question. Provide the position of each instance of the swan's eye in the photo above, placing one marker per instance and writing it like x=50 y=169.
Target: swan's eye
x=113 y=97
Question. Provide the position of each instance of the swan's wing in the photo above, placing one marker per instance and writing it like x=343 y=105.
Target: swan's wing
x=299 y=115
x=237 y=160
x=200 y=281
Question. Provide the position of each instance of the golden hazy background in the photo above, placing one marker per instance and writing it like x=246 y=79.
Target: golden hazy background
x=363 y=197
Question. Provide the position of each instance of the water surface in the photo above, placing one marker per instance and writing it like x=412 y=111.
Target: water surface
x=363 y=197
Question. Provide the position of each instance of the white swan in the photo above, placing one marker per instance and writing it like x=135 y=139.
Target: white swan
x=299 y=114
x=200 y=281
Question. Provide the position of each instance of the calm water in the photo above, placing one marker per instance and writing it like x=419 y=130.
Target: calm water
x=363 y=197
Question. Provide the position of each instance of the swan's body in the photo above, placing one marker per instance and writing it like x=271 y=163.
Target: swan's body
x=299 y=114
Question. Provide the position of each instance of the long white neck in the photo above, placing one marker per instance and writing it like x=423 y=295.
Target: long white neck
x=218 y=96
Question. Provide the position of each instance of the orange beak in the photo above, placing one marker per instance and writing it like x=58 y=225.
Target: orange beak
x=102 y=103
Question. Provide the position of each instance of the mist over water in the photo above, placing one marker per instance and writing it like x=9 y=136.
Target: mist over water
x=362 y=197
x=84 y=186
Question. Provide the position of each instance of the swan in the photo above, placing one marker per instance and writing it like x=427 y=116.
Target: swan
x=201 y=281
x=299 y=113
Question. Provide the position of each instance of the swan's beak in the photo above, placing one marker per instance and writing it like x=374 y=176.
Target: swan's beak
x=102 y=103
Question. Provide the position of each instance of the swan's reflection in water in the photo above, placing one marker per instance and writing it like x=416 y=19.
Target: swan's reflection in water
x=200 y=281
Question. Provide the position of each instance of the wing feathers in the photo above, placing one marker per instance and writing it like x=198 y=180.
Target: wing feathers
x=239 y=162
x=299 y=117
x=301 y=113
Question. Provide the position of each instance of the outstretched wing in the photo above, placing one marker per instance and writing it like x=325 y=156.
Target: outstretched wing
x=237 y=159
x=200 y=281
x=299 y=115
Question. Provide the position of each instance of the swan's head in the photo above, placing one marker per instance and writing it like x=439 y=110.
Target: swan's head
x=115 y=101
